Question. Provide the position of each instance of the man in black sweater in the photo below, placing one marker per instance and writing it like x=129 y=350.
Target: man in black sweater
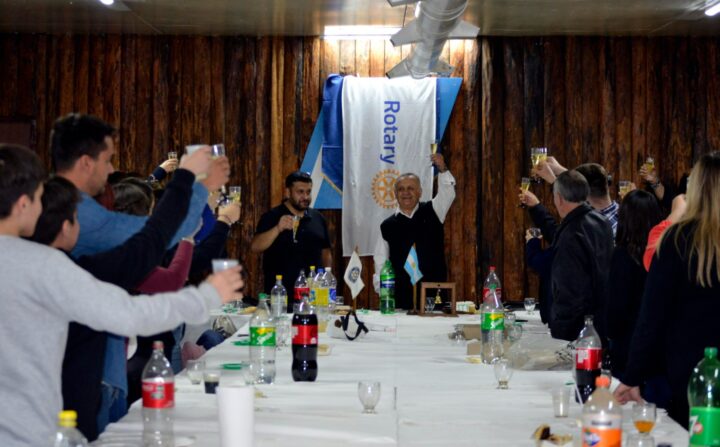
x=420 y=224
x=582 y=248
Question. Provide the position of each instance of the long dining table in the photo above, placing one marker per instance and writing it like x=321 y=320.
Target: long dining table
x=431 y=395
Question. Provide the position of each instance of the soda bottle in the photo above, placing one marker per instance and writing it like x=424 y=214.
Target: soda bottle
x=332 y=285
x=602 y=417
x=588 y=359
x=492 y=327
x=262 y=343
x=304 y=343
x=301 y=287
x=387 y=288
x=278 y=298
x=704 y=400
x=67 y=434
x=310 y=280
x=492 y=280
x=158 y=396
x=320 y=289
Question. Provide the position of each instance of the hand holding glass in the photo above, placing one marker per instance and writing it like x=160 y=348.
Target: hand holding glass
x=369 y=395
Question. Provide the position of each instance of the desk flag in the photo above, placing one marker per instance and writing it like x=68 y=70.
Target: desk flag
x=411 y=266
x=353 y=274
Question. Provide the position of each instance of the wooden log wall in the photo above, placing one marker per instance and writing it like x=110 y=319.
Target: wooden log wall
x=610 y=100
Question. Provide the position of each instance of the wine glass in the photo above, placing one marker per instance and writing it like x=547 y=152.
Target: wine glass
x=623 y=187
x=503 y=373
x=643 y=416
x=530 y=305
x=525 y=186
x=218 y=150
x=537 y=154
x=369 y=395
x=649 y=164
x=296 y=226
x=234 y=193
x=172 y=155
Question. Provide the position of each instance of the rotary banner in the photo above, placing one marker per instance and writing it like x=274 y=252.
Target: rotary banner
x=388 y=127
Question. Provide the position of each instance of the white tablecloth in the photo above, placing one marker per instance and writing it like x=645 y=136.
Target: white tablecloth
x=431 y=395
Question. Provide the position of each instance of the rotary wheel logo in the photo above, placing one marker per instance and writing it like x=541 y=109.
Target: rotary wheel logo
x=383 y=188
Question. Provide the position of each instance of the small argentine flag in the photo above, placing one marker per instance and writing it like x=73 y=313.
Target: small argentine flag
x=411 y=266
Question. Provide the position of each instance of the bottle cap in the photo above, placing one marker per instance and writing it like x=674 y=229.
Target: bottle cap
x=67 y=418
x=278 y=277
x=157 y=344
x=262 y=296
x=492 y=268
x=312 y=267
x=710 y=353
x=327 y=269
x=602 y=381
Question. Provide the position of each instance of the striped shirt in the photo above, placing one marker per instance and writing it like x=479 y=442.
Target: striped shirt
x=611 y=214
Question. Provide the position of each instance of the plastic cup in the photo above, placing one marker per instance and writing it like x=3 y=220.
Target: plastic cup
x=561 y=401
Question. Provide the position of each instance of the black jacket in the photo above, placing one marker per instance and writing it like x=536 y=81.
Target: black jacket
x=582 y=249
x=678 y=320
x=126 y=265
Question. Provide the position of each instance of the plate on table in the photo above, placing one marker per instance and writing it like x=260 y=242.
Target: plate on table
x=234 y=366
x=241 y=343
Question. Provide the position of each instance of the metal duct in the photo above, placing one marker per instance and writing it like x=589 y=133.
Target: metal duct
x=438 y=21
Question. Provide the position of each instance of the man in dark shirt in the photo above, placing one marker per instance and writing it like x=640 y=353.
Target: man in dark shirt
x=420 y=224
x=582 y=248
x=292 y=236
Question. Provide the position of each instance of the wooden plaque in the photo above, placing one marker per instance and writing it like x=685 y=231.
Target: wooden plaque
x=424 y=286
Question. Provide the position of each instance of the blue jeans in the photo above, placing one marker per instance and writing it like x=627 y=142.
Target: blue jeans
x=113 y=406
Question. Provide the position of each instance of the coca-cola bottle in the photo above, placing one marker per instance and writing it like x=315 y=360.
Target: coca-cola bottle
x=304 y=343
x=588 y=359
x=301 y=288
x=158 y=395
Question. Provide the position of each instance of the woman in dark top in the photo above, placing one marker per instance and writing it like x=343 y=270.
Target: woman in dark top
x=681 y=303
x=639 y=212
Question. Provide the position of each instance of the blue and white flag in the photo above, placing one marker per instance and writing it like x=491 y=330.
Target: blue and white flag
x=412 y=266
x=353 y=275
x=388 y=127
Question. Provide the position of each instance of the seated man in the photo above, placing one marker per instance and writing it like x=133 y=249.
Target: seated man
x=420 y=224
x=40 y=284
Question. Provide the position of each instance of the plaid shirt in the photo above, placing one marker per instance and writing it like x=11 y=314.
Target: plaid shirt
x=611 y=214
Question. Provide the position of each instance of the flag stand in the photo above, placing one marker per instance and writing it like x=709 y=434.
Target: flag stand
x=413 y=311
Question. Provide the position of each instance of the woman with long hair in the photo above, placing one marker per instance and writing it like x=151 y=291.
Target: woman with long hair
x=681 y=302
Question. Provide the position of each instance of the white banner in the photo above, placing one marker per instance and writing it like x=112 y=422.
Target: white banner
x=388 y=126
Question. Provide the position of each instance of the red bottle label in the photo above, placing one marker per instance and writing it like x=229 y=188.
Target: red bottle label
x=486 y=294
x=588 y=359
x=158 y=394
x=300 y=291
x=305 y=335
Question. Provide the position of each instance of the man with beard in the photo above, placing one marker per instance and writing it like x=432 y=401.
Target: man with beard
x=292 y=236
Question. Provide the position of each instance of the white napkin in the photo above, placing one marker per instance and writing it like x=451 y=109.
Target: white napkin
x=236 y=409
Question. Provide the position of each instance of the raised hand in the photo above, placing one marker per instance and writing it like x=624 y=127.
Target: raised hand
x=198 y=162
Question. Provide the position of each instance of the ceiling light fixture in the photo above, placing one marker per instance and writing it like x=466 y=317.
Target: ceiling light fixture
x=107 y=2
x=354 y=32
x=711 y=11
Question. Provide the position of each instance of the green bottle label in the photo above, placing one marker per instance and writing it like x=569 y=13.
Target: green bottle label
x=704 y=427
x=262 y=336
x=493 y=321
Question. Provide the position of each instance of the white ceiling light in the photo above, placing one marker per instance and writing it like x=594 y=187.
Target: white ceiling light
x=711 y=11
x=107 y=2
x=359 y=32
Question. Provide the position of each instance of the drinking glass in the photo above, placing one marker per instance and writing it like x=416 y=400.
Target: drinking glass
x=561 y=401
x=212 y=380
x=525 y=183
x=195 y=370
x=234 y=193
x=369 y=395
x=296 y=226
x=640 y=441
x=433 y=147
x=172 y=156
x=649 y=164
x=515 y=332
x=623 y=187
x=643 y=417
x=535 y=232
x=537 y=154
x=429 y=303
x=218 y=150
x=219 y=265
x=530 y=305
x=503 y=373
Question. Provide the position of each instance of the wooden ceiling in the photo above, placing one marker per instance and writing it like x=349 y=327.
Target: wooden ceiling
x=309 y=17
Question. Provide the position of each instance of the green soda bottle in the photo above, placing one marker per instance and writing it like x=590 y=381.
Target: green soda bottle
x=704 y=400
x=387 y=289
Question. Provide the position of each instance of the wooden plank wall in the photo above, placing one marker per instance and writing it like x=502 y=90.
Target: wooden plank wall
x=611 y=100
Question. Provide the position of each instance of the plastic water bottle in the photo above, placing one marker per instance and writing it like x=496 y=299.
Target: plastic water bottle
x=704 y=400
x=492 y=280
x=67 y=434
x=492 y=327
x=387 y=288
x=158 y=396
x=602 y=417
x=278 y=298
x=332 y=286
x=588 y=359
x=262 y=344
x=301 y=288
x=320 y=289
x=311 y=279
